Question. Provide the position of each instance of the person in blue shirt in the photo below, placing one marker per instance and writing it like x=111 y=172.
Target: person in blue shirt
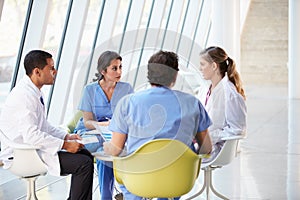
x=97 y=105
x=158 y=112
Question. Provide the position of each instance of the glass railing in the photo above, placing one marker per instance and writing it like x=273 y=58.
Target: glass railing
x=135 y=28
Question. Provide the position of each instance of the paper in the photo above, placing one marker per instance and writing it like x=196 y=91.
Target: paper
x=103 y=131
x=88 y=140
x=101 y=155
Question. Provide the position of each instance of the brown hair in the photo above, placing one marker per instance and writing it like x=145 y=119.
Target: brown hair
x=225 y=64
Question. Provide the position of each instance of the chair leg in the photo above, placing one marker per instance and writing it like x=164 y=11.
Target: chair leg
x=205 y=184
x=31 y=188
x=215 y=192
x=208 y=182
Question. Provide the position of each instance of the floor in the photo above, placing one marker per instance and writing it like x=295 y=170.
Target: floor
x=267 y=167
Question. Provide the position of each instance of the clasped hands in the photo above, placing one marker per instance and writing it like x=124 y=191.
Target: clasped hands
x=72 y=143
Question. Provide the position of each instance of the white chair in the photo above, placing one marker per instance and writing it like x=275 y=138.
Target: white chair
x=26 y=164
x=225 y=156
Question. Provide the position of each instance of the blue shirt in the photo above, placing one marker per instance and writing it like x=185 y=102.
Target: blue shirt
x=159 y=112
x=94 y=100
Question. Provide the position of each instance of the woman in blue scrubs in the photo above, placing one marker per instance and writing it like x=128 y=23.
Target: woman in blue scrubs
x=98 y=104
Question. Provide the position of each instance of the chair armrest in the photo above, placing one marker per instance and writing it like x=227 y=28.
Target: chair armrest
x=204 y=156
x=235 y=137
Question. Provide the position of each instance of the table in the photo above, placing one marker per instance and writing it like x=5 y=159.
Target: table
x=101 y=155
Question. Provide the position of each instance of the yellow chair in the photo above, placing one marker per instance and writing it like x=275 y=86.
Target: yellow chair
x=160 y=168
x=71 y=125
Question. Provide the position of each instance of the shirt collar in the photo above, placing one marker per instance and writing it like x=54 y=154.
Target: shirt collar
x=34 y=89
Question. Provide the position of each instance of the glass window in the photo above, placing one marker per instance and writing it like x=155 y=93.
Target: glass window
x=136 y=28
x=11 y=29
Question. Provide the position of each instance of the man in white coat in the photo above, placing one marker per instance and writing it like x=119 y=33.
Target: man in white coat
x=23 y=120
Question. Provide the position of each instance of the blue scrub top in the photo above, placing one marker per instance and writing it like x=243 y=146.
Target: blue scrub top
x=159 y=112
x=94 y=100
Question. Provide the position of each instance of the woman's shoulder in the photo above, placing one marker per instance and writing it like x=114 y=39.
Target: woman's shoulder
x=230 y=91
x=92 y=84
x=90 y=88
x=125 y=86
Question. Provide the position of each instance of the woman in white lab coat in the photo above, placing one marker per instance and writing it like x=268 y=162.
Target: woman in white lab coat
x=223 y=98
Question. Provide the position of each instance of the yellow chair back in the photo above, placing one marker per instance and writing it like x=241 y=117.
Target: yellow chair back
x=73 y=122
x=160 y=168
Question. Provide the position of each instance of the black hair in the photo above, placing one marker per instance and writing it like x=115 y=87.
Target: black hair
x=35 y=59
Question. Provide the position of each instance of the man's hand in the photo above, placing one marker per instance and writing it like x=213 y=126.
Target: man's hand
x=72 y=146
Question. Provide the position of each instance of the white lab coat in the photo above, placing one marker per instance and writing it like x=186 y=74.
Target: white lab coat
x=227 y=110
x=23 y=120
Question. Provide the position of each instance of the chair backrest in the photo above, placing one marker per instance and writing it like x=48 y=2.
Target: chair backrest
x=26 y=161
x=73 y=122
x=228 y=151
x=159 y=168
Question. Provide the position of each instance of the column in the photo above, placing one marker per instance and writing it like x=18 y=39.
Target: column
x=225 y=29
x=68 y=62
x=294 y=49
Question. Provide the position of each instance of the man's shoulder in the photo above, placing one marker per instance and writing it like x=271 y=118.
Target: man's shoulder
x=20 y=91
x=184 y=95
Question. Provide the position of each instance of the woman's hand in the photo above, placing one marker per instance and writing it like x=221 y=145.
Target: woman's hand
x=104 y=123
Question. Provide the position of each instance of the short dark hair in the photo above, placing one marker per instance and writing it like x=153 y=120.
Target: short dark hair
x=162 y=68
x=35 y=59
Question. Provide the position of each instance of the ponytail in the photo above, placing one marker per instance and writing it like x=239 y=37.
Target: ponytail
x=234 y=77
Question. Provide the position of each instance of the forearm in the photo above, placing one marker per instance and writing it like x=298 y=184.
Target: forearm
x=116 y=145
x=91 y=124
x=204 y=141
x=111 y=149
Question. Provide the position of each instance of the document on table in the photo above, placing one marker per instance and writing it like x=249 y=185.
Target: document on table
x=88 y=140
x=102 y=130
x=101 y=155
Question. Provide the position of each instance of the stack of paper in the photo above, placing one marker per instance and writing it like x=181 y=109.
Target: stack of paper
x=103 y=131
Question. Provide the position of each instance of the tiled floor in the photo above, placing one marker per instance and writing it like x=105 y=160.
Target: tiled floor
x=267 y=168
